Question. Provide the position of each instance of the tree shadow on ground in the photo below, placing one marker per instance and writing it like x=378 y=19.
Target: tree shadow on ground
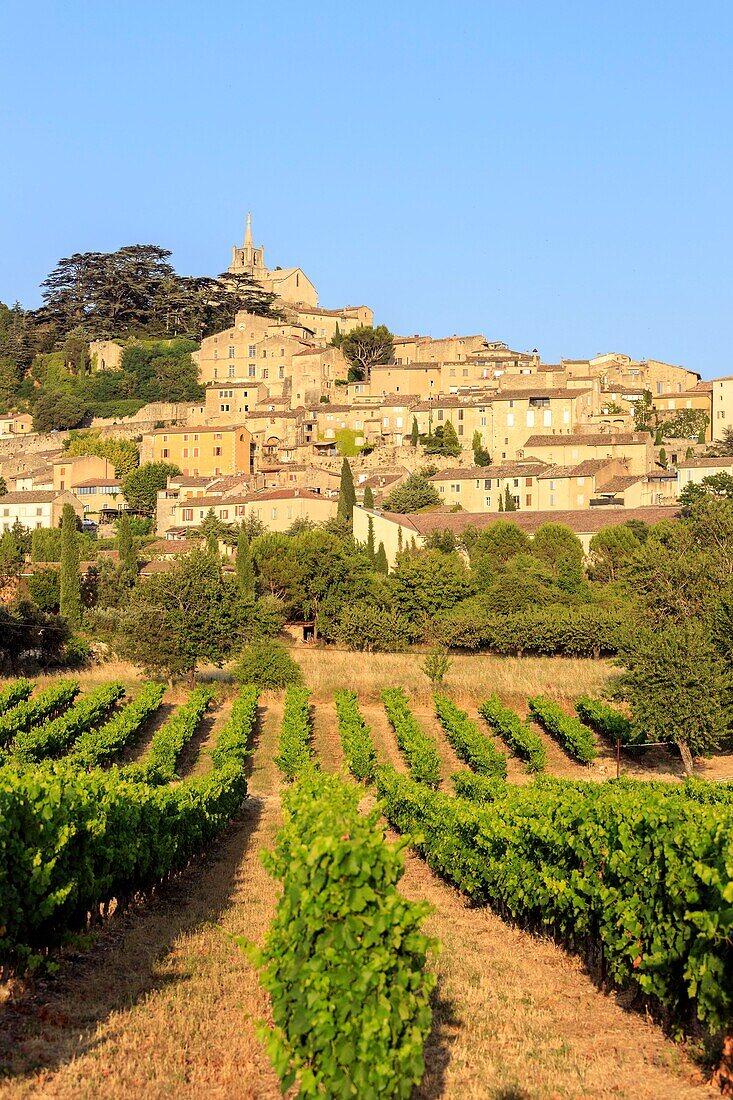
x=54 y=1019
x=443 y=1034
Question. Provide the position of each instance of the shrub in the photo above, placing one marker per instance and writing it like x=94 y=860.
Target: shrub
x=585 y=630
x=269 y=665
x=574 y=737
x=519 y=736
x=344 y=960
x=436 y=665
x=374 y=629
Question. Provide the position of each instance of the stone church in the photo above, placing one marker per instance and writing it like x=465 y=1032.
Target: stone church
x=289 y=283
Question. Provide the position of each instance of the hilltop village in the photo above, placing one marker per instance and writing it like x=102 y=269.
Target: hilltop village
x=479 y=428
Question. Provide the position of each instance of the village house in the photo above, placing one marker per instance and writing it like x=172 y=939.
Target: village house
x=483 y=488
x=73 y=470
x=36 y=508
x=16 y=424
x=277 y=509
x=636 y=448
x=202 y=450
x=691 y=471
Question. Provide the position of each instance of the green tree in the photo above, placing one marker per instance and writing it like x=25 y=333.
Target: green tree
x=141 y=486
x=70 y=603
x=663 y=458
x=428 y=582
x=44 y=589
x=370 y=541
x=714 y=485
x=126 y=548
x=368 y=497
x=451 y=445
x=347 y=493
x=610 y=549
x=415 y=433
x=510 y=504
x=122 y=453
x=244 y=570
x=555 y=544
x=366 y=346
x=436 y=665
x=3 y=487
x=381 y=564
x=414 y=493
x=190 y=614
x=678 y=687
x=723 y=448
x=499 y=542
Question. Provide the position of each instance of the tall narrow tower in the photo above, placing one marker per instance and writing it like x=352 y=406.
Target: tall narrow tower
x=248 y=260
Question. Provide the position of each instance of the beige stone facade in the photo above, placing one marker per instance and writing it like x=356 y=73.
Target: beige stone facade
x=291 y=284
x=202 y=450
x=277 y=509
x=36 y=508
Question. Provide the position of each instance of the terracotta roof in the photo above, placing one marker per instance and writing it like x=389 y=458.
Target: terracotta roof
x=692 y=464
x=508 y=469
x=529 y=392
x=197 y=429
x=432 y=365
x=100 y=482
x=190 y=482
x=591 y=439
x=32 y=496
x=172 y=546
x=619 y=483
x=582 y=521
x=588 y=468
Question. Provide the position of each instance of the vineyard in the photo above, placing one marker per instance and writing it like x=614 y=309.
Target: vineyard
x=107 y=795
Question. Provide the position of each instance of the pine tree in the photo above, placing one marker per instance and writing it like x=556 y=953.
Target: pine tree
x=126 y=547
x=212 y=543
x=501 y=504
x=245 y=573
x=368 y=497
x=380 y=560
x=415 y=433
x=370 y=540
x=347 y=493
x=451 y=446
x=70 y=598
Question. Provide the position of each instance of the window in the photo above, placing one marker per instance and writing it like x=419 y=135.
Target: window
x=460 y=414
x=282 y=352
x=456 y=488
x=231 y=352
x=217 y=452
x=216 y=353
x=185 y=438
x=452 y=372
x=252 y=351
x=460 y=429
x=251 y=371
x=487 y=502
x=188 y=515
x=274 y=513
x=659 y=387
x=397 y=423
x=232 y=370
x=547 y=418
x=528 y=500
x=552 y=500
x=164 y=453
x=223 y=513
x=510 y=420
x=487 y=483
x=265 y=372
x=281 y=372
x=385 y=421
x=185 y=452
x=552 y=485
x=581 y=481
x=530 y=418
x=440 y=414
x=465 y=372
x=515 y=482
x=224 y=408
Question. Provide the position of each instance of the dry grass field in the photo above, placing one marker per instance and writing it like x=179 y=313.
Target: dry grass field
x=162 y=1003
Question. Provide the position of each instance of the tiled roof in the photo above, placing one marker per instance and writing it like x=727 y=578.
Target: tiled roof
x=590 y=439
x=588 y=468
x=509 y=469
x=582 y=521
x=33 y=496
x=698 y=464
x=98 y=482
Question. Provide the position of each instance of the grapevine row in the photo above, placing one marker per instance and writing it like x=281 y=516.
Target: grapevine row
x=98 y=746
x=575 y=738
x=472 y=746
x=607 y=720
x=356 y=740
x=418 y=749
x=344 y=959
x=525 y=742
x=295 y=749
x=15 y=693
x=159 y=764
x=53 y=738
x=76 y=840
x=575 y=861
x=50 y=703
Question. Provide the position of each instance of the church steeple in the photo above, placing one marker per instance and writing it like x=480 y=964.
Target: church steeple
x=248 y=241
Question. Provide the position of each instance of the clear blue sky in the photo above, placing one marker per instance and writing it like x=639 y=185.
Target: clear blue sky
x=556 y=175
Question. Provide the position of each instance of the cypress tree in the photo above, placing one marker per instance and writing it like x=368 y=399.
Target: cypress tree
x=399 y=540
x=70 y=597
x=509 y=505
x=368 y=497
x=380 y=560
x=501 y=503
x=663 y=458
x=125 y=546
x=370 y=540
x=347 y=493
x=451 y=446
x=245 y=573
x=415 y=433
